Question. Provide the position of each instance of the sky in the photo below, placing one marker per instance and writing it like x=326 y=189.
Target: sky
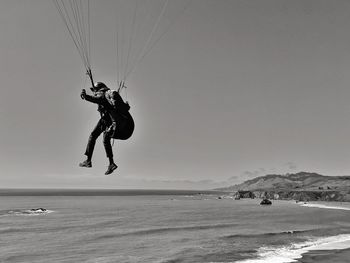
x=235 y=89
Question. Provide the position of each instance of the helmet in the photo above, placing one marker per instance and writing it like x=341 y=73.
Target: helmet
x=98 y=86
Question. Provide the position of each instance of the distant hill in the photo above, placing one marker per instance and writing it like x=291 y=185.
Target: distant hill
x=297 y=181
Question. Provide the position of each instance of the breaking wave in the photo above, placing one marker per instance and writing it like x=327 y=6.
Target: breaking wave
x=26 y=212
x=286 y=254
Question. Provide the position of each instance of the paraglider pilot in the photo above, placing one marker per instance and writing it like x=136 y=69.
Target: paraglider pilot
x=102 y=126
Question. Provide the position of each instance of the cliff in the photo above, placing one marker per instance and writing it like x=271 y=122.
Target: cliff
x=295 y=195
x=301 y=186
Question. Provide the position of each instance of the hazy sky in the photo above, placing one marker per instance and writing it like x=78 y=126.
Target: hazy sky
x=235 y=89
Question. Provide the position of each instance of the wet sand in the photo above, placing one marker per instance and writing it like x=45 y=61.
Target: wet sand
x=326 y=256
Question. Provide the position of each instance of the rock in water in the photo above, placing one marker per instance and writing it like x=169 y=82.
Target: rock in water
x=38 y=210
x=266 y=202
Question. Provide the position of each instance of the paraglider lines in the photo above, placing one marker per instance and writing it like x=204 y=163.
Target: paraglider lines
x=78 y=26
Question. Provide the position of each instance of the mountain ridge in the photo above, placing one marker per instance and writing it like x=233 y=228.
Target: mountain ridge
x=293 y=181
x=302 y=186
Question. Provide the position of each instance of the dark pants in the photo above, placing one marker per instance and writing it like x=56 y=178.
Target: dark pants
x=100 y=127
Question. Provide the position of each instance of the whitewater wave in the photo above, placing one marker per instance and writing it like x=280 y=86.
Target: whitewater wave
x=325 y=206
x=26 y=212
x=287 y=254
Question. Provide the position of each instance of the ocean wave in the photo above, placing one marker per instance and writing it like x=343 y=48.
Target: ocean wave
x=287 y=254
x=58 y=228
x=26 y=212
x=165 y=229
x=325 y=206
x=287 y=232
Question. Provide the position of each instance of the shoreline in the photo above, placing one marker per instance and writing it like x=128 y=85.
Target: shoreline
x=335 y=205
x=318 y=250
x=326 y=249
x=326 y=256
x=340 y=255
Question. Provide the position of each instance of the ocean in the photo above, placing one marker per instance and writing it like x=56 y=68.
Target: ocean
x=168 y=227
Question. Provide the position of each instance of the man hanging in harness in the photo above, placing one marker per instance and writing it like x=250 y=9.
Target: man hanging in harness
x=102 y=125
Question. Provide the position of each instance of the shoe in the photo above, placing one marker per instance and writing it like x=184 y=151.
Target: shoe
x=111 y=168
x=86 y=163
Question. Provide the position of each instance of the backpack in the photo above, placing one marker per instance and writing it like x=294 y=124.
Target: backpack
x=122 y=122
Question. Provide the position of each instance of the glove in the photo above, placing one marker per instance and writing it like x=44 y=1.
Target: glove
x=83 y=94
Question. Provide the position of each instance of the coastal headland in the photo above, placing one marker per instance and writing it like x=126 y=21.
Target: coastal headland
x=302 y=186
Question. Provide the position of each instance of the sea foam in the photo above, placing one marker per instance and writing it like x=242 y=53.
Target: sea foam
x=25 y=212
x=287 y=254
x=326 y=206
